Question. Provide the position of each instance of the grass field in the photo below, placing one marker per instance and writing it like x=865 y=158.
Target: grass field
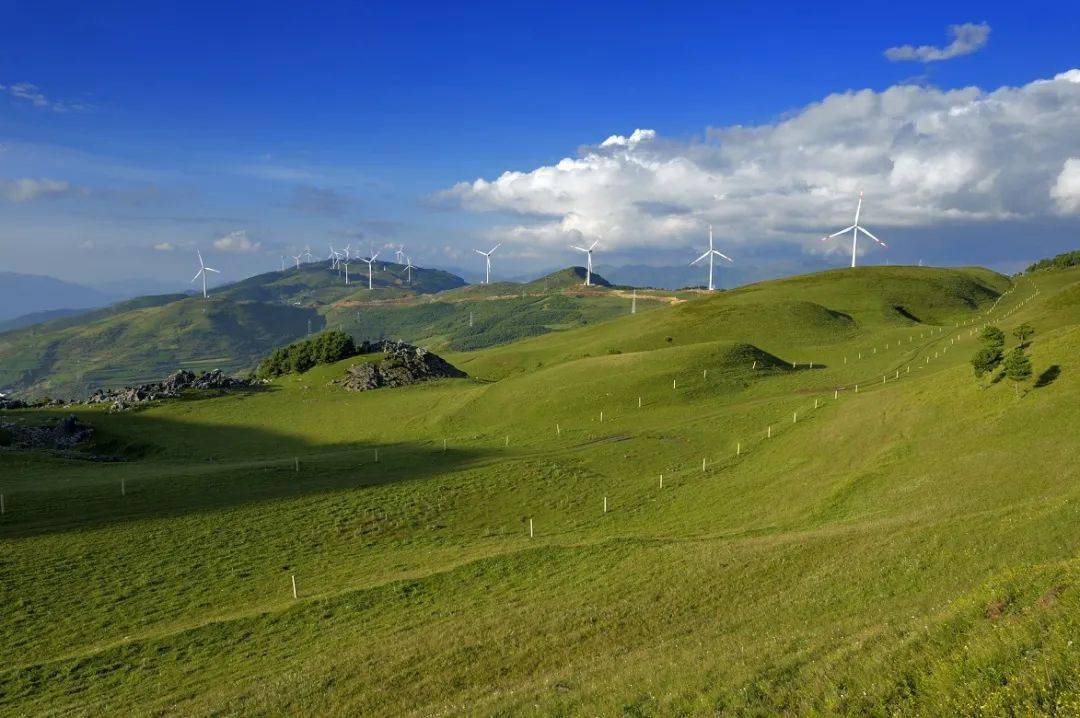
x=144 y=339
x=907 y=547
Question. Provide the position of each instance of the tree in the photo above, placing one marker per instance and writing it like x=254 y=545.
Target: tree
x=1023 y=333
x=986 y=360
x=991 y=336
x=1017 y=368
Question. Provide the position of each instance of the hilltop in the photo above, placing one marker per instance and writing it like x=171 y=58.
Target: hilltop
x=140 y=340
x=848 y=523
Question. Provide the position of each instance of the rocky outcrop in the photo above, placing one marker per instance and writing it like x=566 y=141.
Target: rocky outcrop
x=66 y=433
x=403 y=364
x=170 y=387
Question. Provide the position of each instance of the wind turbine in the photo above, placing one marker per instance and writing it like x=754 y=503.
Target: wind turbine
x=203 y=269
x=346 y=265
x=408 y=268
x=370 y=261
x=710 y=254
x=333 y=257
x=297 y=257
x=588 y=261
x=307 y=253
x=283 y=263
x=855 y=229
x=487 y=261
x=399 y=253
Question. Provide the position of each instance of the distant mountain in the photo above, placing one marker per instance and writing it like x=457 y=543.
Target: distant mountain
x=22 y=294
x=569 y=277
x=144 y=338
x=27 y=320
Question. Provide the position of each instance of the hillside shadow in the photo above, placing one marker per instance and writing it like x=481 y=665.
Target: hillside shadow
x=179 y=468
x=1048 y=377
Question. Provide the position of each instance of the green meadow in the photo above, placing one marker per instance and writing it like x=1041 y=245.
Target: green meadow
x=813 y=507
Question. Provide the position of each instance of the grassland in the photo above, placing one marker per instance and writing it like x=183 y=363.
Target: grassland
x=909 y=547
x=144 y=339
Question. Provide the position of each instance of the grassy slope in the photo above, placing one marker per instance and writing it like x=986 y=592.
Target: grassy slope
x=900 y=549
x=144 y=339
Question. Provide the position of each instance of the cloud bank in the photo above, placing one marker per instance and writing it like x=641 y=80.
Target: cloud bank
x=237 y=242
x=924 y=156
x=967 y=38
x=27 y=189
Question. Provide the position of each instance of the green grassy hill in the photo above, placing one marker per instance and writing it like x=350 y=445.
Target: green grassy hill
x=145 y=338
x=877 y=533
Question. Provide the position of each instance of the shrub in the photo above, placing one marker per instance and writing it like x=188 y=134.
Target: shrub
x=991 y=336
x=986 y=360
x=1061 y=261
x=324 y=348
x=1017 y=367
x=1023 y=333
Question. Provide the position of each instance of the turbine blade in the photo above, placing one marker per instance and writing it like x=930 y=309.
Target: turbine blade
x=479 y=252
x=700 y=258
x=836 y=234
x=580 y=249
x=721 y=254
x=593 y=245
x=197 y=274
x=872 y=237
x=208 y=269
x=492 y=250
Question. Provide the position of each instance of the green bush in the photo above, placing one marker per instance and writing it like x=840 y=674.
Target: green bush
x=1061 y=261
x=324 y=348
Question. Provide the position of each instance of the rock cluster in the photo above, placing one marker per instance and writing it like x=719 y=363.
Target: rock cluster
x=169 y=387
x=65 y=433
x=403 y=364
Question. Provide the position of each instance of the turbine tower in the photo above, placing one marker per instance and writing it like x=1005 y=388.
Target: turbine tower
x=408 y=268
x=588 y=260
x=203 y=269
x=487 y=261
x=855 y=229
x=710 y=254
x=370 y=261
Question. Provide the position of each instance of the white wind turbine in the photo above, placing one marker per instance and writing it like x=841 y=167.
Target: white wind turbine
x=307 y=253
x=203 y=269
x=370 y=261
x=588 y=260
x=296 y=258
x=399 y=253
x=345 y=263
x=710 y=254
x=855 y=229
x=332 y=257
x=487 y=261
x=408 y=268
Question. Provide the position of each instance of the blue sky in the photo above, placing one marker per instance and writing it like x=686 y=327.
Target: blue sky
x=254 y=129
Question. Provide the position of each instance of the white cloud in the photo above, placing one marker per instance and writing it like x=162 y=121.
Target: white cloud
x=27 y=189
x=1066 y=191
x=237 y=242
x=164 y=247
x=967 y=38
x=28 y=92
x=923 y=156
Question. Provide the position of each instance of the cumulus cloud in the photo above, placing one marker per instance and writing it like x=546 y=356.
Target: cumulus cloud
x=27 y=92
x=237 y=242
x=164 y=247
x=28 y=189
x=1066 y=191
x=922 y=155
x=967 y=38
